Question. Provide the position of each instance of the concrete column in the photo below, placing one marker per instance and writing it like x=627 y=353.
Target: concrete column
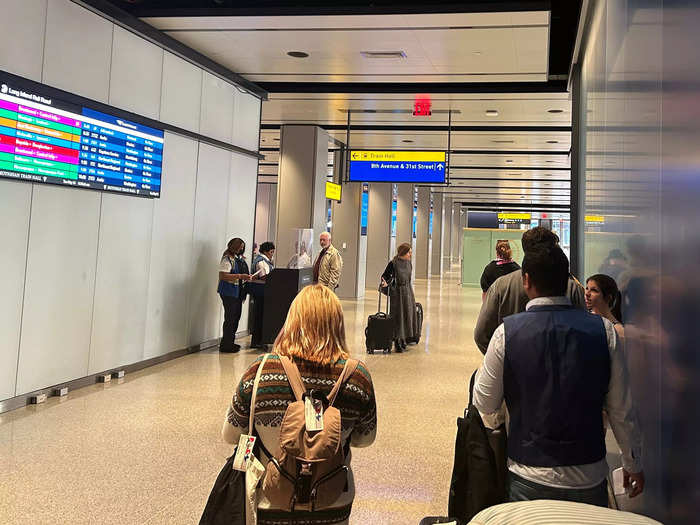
x=378 y=233
x=301 y=190
x=404 y=214
x=394 y=198
x=456 y=232
x=265 y=208
x=347 y=239
x=422 y=251
x=438 y=252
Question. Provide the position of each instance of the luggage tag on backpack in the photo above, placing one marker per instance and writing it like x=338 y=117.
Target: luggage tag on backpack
x=313 y=410
x=244 y=452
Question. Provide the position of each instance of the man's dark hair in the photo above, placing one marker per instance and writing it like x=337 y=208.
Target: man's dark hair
x=266 y=247
x=548 y=270
x=539 y=237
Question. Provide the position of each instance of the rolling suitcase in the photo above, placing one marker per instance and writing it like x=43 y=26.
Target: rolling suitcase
x=379 y=334
x=418 y=324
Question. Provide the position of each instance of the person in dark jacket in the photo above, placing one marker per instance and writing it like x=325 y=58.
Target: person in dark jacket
x=557 y=367
x=396 y=283
x=506 y=296
x=262 y=266
x=503 y=265
x=233 y=272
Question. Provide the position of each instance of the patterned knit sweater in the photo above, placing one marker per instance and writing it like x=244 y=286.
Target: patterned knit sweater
x=355 y=401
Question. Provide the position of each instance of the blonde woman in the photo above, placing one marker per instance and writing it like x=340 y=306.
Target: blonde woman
x=313 y=337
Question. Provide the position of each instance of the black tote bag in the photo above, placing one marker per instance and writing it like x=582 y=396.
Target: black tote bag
x=226 y=503
x=479 y=471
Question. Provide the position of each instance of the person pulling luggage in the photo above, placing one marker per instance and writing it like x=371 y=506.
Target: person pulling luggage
x=396 y=283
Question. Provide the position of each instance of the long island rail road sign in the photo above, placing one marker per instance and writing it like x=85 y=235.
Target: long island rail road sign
x=398 y=166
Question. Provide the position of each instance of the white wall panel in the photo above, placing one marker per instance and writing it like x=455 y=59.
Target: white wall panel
x=209 y=242
x=59 y=287
x=217 y=108
x=171 y=249
x=181 y=94
x=15 y=203
x=119 y=312
x=21 y=48
x=135 y=81
x=245 y=115
x=241 y=208
x=78 y=50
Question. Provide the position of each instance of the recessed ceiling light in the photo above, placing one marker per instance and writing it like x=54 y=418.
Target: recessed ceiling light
x=549 y=161
x=552 y=142
x=503 y=141
x=297 y=54
x=491 y=112
x=478 y=53
x=508 y=160
x=407 y=141
x=555 y=111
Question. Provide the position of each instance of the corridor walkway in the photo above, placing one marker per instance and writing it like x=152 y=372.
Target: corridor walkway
x=147 y=449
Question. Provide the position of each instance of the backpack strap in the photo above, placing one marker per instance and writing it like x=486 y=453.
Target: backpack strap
x=254 y=395
x=294 y=377
x=348 y=370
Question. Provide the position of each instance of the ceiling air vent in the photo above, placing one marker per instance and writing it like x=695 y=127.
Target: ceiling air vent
x=383 y=54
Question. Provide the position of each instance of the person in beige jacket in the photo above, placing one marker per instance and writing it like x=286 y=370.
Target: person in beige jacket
x=328 y=264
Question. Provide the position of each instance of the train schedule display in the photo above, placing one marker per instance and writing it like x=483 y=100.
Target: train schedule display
x=47 y=140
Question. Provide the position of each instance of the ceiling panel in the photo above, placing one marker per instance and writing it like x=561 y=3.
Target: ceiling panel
x=524 y=162
x=473 y=47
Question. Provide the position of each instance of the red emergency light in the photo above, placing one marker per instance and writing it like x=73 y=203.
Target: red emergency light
x=422 y=107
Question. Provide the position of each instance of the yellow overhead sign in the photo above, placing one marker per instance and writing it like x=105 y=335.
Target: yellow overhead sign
x=515 y=216
x=398 y=156
x=333 y=191
x=595 y=218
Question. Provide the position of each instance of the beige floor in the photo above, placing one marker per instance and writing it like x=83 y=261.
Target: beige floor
x=147 y=449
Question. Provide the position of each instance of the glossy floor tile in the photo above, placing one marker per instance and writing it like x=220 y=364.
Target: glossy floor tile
x=147 y=449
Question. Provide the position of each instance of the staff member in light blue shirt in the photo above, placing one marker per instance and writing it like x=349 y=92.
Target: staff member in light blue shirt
x=557 y=367
x=233 y=271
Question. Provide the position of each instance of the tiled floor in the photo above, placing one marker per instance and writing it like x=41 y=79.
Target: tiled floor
x=147 y=449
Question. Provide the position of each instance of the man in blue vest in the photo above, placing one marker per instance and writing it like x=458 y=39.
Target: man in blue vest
x=558 y=367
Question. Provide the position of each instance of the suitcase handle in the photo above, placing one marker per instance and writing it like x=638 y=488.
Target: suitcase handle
x=379 y=304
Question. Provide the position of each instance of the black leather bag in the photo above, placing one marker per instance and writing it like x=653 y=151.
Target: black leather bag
x=226 y=503
x=479 y=471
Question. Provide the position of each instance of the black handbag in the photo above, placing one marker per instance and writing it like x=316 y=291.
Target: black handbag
x=226 y=503
x=479 y=471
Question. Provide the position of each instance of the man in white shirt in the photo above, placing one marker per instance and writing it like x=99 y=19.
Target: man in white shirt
x=557 y=367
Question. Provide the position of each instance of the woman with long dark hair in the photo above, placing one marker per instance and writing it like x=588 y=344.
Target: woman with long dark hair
x=603 y=298
x=233 y=271
x=396 y=283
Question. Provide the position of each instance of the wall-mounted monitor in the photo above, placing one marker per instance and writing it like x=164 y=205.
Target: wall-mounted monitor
x=333 y=191
x=46 y=139
x=420 y=167
x=482 y=219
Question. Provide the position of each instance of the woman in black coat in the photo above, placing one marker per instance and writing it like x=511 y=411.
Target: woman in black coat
x=396 y=283
x=503 y=265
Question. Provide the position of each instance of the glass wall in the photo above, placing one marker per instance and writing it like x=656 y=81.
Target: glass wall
x=640 y=169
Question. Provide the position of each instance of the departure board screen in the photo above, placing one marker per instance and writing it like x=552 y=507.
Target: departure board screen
x=47 y=140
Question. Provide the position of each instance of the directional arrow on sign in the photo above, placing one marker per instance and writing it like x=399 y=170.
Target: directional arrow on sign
x=441 y=166
x=355 y=155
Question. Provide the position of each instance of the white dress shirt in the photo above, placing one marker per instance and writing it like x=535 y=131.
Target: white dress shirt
x=488 y=398
x=263 y=266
